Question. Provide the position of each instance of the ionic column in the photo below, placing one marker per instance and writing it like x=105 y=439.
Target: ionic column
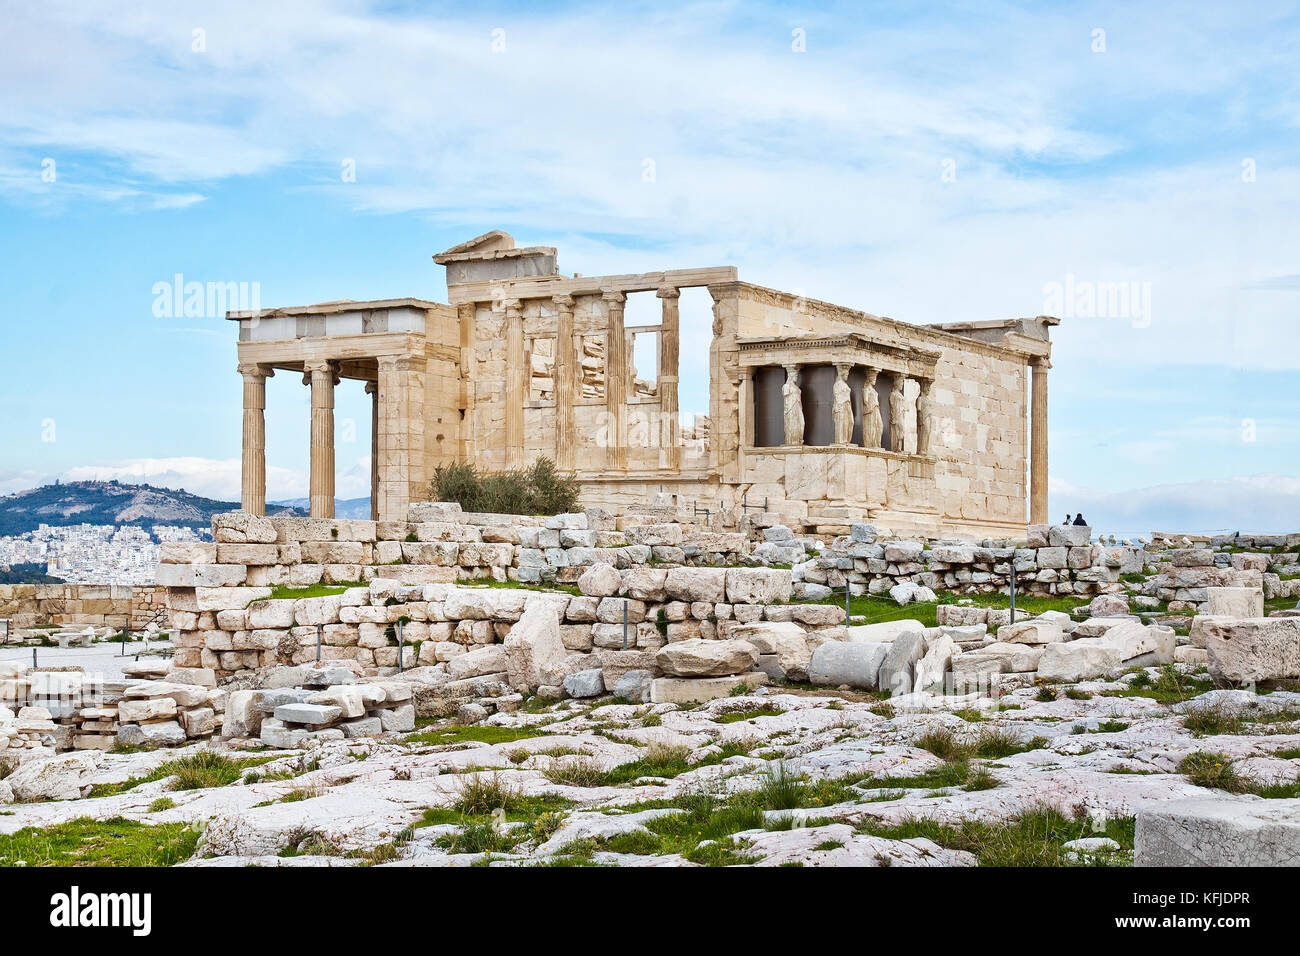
x=669 y=357
x=923 y=417
x=372 y=389
x=792 y=400
x=616 y=382
x=516 y=383
x=564 y=381
x=322 y=376
x=252 y=485
x=1038 y=443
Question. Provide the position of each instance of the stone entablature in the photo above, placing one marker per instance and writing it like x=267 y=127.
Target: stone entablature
x=526 y=361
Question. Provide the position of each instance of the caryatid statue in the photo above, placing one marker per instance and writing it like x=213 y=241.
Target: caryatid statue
x=897 y=414
x=923 y=417
x=843 y=406
x=793 y=406
x=872 y=423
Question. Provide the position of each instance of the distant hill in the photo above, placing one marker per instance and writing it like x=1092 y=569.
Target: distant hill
x=343 y=507
x=110 y=502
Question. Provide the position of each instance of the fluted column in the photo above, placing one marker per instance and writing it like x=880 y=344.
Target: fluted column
x=252 y=485
x=322 y=376
x=1038 y=443
x=616 y=382
x=516 y=383
x=372 y=389
x=564 y=380
x=669 y=360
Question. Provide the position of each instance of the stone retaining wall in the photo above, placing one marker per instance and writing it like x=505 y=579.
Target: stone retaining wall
x=80 y=605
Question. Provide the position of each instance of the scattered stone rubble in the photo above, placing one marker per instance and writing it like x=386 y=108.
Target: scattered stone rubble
x=641 y=632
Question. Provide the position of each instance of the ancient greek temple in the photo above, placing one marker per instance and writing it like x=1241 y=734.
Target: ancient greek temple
x=818 y=411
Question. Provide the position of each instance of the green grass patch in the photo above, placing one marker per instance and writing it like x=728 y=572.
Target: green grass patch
x=281 y=591
x=86 y=842
x=748 y=715
x=1034 y=838
x=481 y=733
x=192 y=772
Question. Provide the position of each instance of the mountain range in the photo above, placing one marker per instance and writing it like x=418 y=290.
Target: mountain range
x=114 y=503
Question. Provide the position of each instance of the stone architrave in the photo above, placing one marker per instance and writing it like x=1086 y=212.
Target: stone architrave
x=872 y=422
x=793 y=406
x=843 y=398
x=897 y=416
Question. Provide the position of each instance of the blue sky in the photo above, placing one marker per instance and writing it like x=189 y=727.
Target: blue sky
x=927 y=162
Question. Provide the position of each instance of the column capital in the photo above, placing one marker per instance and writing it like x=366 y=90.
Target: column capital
x=512 y=305
x=563 y=302
x=253 y=370
x=613 y=296
x=320 y=367
x=1041 y=362
x=372 y=388
x=668 y=292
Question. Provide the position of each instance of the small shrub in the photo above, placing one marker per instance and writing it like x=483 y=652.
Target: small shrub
x=161 y=804
x=541 y=489
x=482 y=793
x=577 y=772
x=1214 y=771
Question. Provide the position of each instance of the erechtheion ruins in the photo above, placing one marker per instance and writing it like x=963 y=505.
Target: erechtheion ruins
x=820 y=412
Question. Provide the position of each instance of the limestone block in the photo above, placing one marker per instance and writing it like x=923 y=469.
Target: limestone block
x=1235 y=602
x=585 y=683
x=856 y=664
x=785 y=641
x=696 y=584
x=703 y=658
x=240 y=527
x=188 y=552
x=134 y=711
x=885 y=632
x=476 y=663
x=1253 y=649
x=1034 y=631
x=198 y=721
x=1219 y=831
x=651 y=535
x=896 y=671
x=679 y=690
x=758 y=585
x=1068 y=536
x=315 y=715
x=1053 y=558
x=930 y=669
x=535 y=654
x=247 y=554
x=200 y=575
x=163 y=733
x=276 y=613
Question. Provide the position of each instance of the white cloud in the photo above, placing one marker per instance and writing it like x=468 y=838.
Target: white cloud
x=1267 y=503
x=818 y=170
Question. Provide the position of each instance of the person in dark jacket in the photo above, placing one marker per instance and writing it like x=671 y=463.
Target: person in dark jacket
x=1078 y=519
